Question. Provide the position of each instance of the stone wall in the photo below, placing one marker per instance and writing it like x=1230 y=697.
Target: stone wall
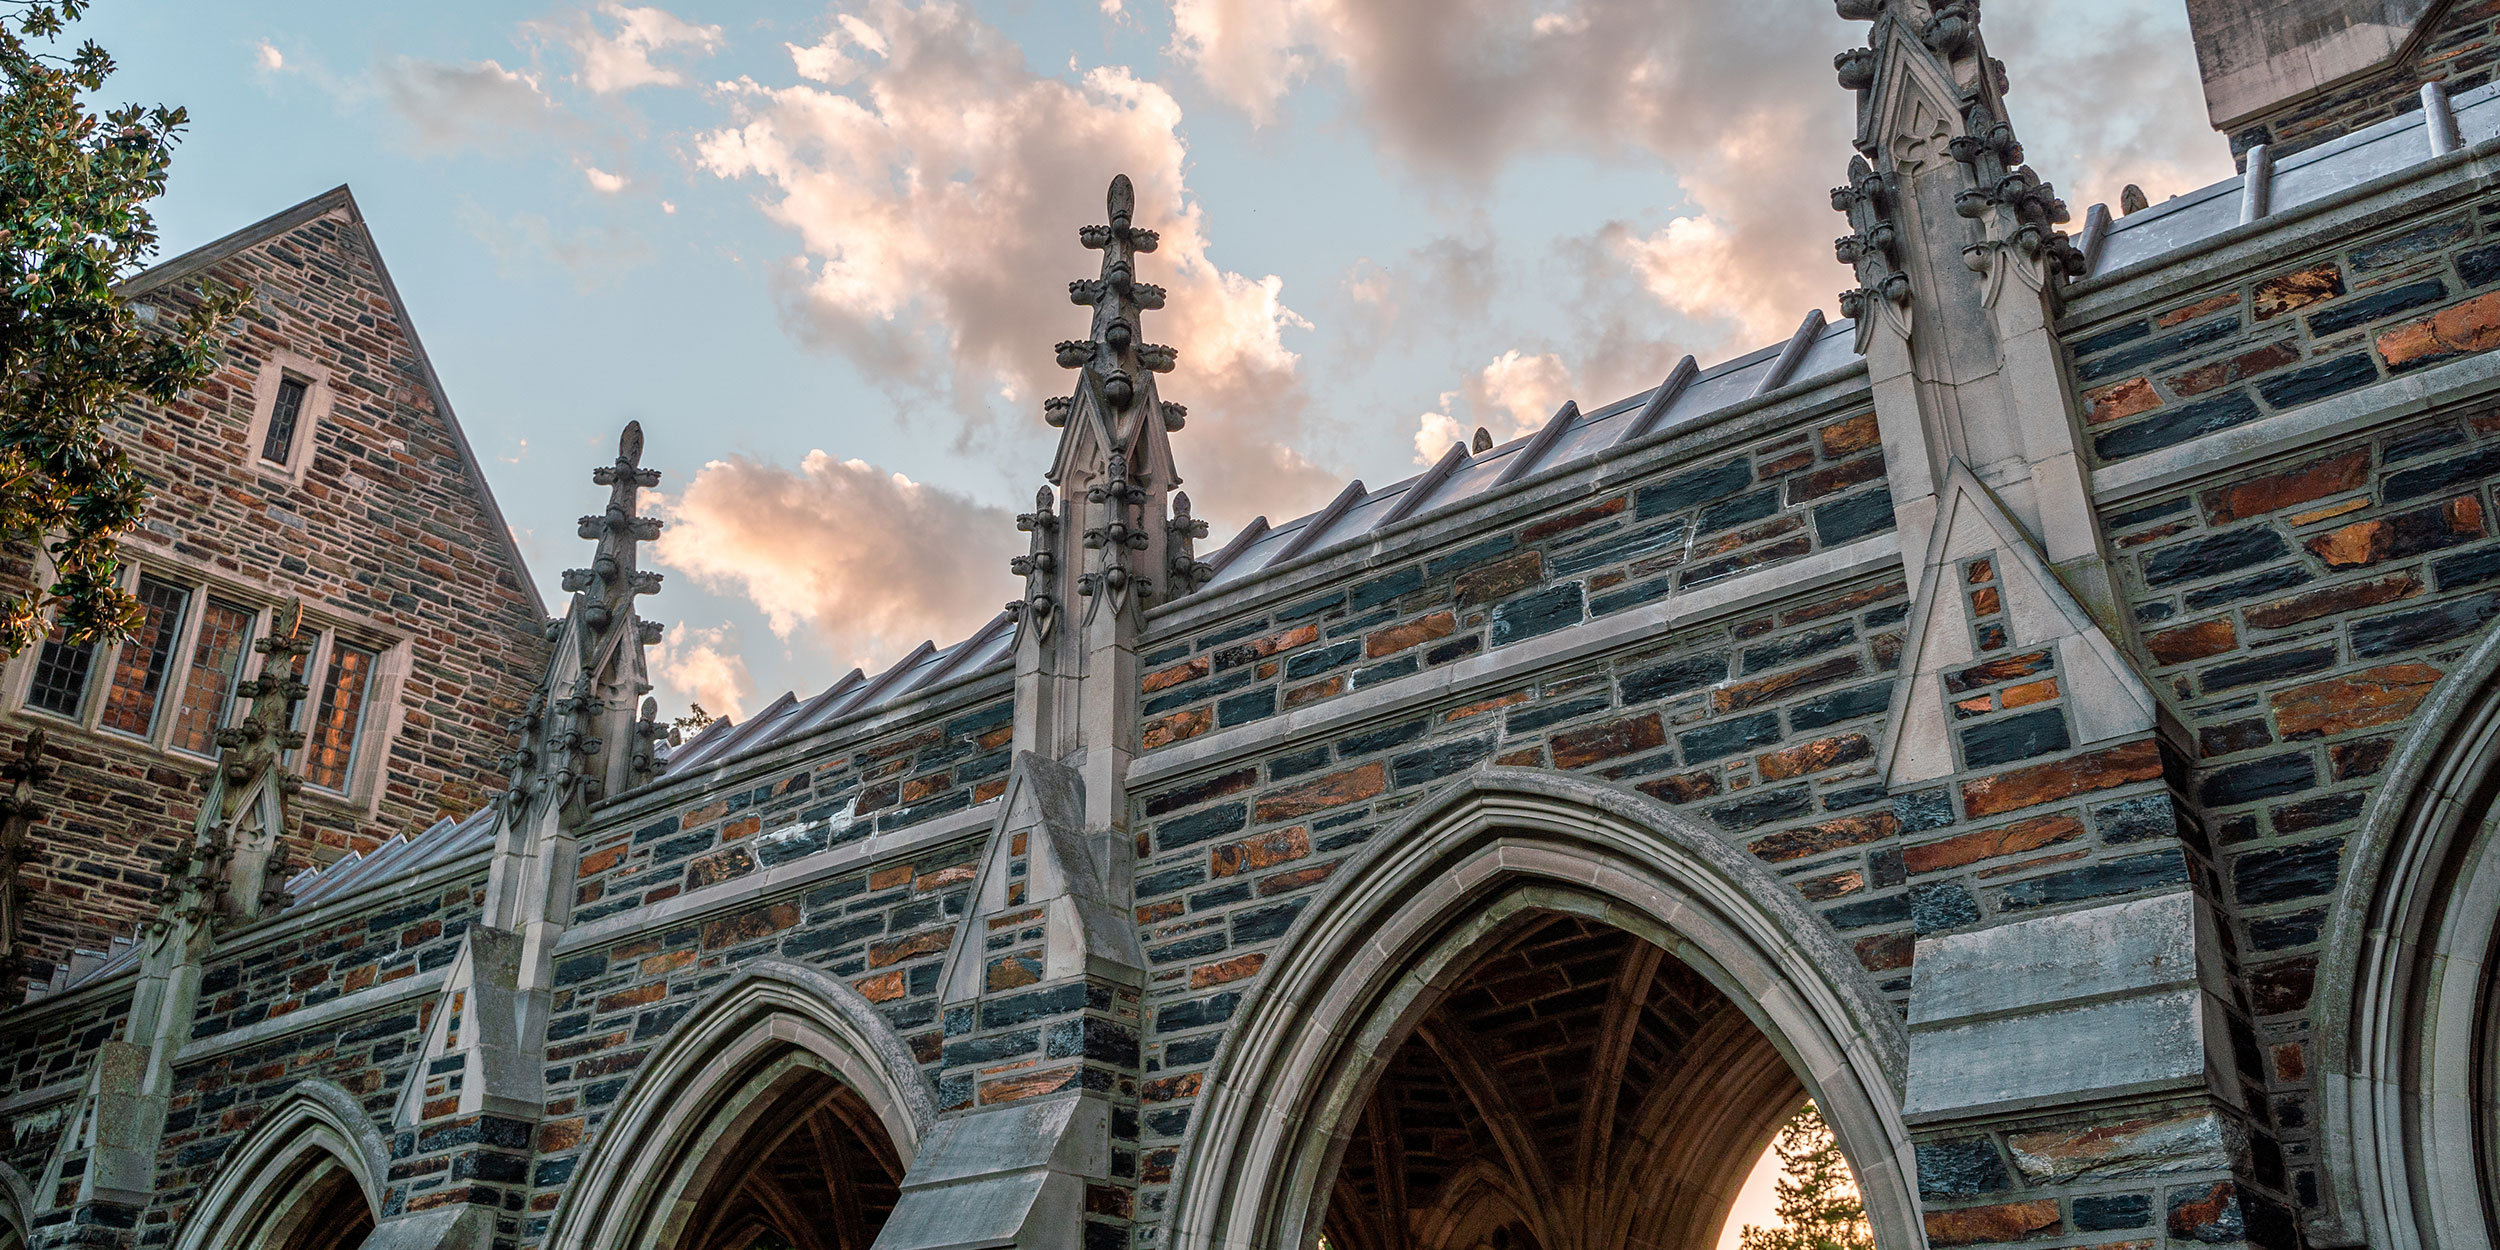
x=1785 y=497
x=391 y=524
x=895 y=781
x=2378 y=306
x=2459 y=50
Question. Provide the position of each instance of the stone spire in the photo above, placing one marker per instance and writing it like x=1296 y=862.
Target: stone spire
x=588 y=731
x=18 y=814
x=1958 y=255
x=1057 y=874
x=1105 y=542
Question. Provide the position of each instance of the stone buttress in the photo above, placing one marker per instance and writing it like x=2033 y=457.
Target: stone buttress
x=1037 y=1089
x=2048 y=1050
x=461 y=1146
x=230 y=874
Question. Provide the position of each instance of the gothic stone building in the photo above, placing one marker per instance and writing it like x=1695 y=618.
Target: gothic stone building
x=320 y=463
x=2050 y=719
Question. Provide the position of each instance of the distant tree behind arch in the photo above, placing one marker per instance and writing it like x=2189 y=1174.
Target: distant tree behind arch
x=1818 y=1206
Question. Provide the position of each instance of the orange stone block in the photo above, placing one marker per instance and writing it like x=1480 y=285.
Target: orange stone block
x=1413 y=633
x=931 y=942
x=1226 y=970
x=2119 y=401
x=1178 y=727
x=2316 y=479
x=2458 y=330
x=1313 y=692
x=1028 y=1085
x=2105 y=769
x=2009 y=1221
x=1970 y=848
x=1264 y=851
x=1166 y=678
x=2374 y=696
x=1814 y=757
x=1335 y=790
x=1853 y=435
x=2192 y=642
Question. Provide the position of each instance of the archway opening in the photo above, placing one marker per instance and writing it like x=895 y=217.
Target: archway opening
x=1577 y=1088
x=814 y=1171
x=327 y=1213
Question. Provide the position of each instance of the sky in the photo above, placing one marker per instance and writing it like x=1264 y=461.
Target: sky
x=820 y=251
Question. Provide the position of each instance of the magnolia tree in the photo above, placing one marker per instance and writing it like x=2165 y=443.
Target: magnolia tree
x=1818 y=1197
x=74 y=190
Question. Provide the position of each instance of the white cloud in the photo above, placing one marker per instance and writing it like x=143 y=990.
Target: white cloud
x=270 y=58
x=454 y=105
x=843 y=550
x=701 y=667
x=602 y=181
x=1514 y=394
x=1734 y=96
x=921 y=164
x=614 y=48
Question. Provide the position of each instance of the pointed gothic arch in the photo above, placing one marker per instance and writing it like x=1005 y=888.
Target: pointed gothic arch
x=17 y=1210
x=1411 y=915
x=2406 y=1009
x=775 y=1030
x=311 y=1173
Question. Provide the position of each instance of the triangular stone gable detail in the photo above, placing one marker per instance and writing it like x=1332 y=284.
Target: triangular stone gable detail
x=2105 y=695
x=477 y=1017
x=1062 y=891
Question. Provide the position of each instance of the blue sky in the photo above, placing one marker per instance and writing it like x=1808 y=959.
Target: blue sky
x=820 y=250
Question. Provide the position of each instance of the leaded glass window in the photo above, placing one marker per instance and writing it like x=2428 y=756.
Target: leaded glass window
x=279 y=442
x=146 y=659
x=60 y=682
x=331 y=747
x=216 y=668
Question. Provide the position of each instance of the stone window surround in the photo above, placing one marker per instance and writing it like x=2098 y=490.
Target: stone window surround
x=383 y=710
x=276 y=365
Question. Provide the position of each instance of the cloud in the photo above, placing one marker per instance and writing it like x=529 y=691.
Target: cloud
x=1736 y=97
x=455 y=105
x=614 y=48
x=923 y=165
x=843 y=549
x=1513 y=395
x=269 y=58
x=2106 y=95
x=702 y=667
x=602 y=181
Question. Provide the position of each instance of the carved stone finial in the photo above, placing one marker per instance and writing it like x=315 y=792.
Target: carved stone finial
x=1482 y=443
x=2133 y=200
x=1184 y=571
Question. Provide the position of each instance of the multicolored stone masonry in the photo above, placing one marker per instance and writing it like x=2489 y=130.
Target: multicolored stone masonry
x=2044 y=720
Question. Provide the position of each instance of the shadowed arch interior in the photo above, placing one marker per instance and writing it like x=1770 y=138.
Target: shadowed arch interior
x=1578 y=1089
x=814 y=1172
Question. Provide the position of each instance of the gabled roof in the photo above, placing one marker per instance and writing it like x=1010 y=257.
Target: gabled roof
x=339 y=199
